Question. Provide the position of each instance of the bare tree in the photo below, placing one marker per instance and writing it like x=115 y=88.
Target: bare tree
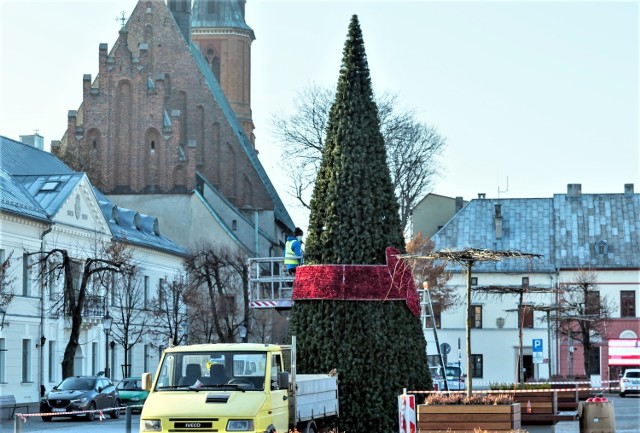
x=270 y=326
x=130 y=318
x=434 y=273
x=412 y=146
x=585 y=312
x=78 y=279
x=220 y=274
x=169 y=308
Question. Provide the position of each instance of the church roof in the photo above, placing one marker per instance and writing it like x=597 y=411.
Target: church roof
x=571 y=231
x=219 y=14
x=279 y=209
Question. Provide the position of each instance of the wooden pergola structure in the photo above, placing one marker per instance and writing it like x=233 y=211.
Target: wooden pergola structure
x=467 y=258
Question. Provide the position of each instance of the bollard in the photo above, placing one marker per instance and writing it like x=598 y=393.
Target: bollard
x=17 y=424
x=127 y=420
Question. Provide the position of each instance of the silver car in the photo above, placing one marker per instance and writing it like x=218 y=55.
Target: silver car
x=455 y=378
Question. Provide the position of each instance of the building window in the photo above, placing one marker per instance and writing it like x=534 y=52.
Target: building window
x=475 y=314
x=26 y=360
x=94 y=358
x=26 y=275
x=602 y=247
x=2 y=271
x=474 y=281
x=594 y=360
x=147 y=355
x=146 y=291
x=161 y=288
x=525 y=282
x=476 y=366
x=526 y=319
x=433 y=360
x=592 y=306
x=627 y=303
x=437 y=315
x=3 y=361
x=52 y=361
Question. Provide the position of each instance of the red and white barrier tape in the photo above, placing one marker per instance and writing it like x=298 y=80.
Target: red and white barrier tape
x=504 y=391
x=101 y=416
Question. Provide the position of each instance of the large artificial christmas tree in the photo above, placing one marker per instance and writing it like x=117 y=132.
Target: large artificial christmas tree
x=361 y=319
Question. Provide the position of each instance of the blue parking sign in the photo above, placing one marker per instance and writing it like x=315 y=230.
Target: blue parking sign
x=537 y=345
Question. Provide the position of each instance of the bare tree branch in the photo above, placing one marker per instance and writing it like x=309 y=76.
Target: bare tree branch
x=412 y=146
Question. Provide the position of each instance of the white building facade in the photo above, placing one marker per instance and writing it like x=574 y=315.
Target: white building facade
x=572 y=232
x=46 y=206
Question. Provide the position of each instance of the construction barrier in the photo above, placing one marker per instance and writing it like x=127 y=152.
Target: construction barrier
x=407 y=412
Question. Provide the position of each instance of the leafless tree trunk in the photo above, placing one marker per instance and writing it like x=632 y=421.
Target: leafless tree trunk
x=585 y=312
x=169 y=309
x=221 y=275
x=56 y=263
x=130 y=318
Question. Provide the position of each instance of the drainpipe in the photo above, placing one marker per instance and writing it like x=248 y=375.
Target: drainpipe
x=42 y=285
x=256 y=216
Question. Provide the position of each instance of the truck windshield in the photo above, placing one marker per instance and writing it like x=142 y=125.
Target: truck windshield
x=188 y=371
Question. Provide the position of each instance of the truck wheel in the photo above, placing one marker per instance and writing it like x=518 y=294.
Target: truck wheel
x=310 y=427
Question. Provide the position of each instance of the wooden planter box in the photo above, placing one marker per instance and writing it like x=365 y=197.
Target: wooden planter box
x=462 y=418
x=542 y=402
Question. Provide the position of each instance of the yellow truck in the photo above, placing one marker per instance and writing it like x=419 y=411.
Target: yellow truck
x=241 y=387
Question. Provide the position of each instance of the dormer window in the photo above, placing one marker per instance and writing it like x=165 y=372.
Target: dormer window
x=602 y=247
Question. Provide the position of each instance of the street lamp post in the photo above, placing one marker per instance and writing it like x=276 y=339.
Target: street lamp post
x=107 y=320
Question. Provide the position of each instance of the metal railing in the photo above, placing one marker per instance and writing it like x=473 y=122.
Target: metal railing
x=270 y=285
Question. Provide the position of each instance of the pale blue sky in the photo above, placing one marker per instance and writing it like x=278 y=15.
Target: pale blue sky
x=545 y=93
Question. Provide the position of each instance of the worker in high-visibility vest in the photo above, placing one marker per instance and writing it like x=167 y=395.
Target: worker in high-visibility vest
x=293 y=251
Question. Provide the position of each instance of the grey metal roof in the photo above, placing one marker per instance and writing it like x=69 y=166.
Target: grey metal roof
x=129 y=226
x=50 y=191
x=19 y=158
x=588 y=230
x=16 y=200
x=219 y=14
x=279 y=210
x=34 y=184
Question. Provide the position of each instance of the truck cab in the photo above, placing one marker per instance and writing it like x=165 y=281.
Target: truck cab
x=218 y=387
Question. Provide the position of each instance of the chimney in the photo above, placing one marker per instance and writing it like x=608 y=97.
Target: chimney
x=574 y=190
x=498 y=221
x=459 y=204
x=628 y=189
x=481 y=195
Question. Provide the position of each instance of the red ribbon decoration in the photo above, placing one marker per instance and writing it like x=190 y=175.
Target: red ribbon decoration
x=393 y=281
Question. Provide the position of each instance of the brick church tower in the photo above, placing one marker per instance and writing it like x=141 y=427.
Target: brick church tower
x=219 y=29
x=168 y=115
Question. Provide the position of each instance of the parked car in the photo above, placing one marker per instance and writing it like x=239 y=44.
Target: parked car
x=455 y=378
x=80 y=394
x=630 y=382
x=131 y=393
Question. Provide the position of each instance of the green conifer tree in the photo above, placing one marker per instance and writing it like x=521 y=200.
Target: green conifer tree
x=377 y=346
